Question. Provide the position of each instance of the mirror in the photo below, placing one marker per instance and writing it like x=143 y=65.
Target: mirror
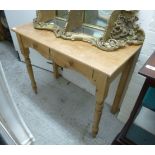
x=94 y=21
x=97 y=18
x=106 y=29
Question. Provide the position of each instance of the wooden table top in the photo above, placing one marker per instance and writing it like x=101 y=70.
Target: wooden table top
x=106 y=62
x=148 y=70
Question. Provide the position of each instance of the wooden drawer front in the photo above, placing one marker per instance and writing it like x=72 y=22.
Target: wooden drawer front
x=43 y=50
x=67 y=62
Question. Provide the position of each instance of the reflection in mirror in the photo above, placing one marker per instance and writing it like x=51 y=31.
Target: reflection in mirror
x=48 y=20
x=63 y=14
x=94 y=22
x=97 y=17
x=89 y=31
x=58 y=22
x=92 y=18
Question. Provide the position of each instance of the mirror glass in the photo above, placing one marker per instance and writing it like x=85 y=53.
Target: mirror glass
x=62 y=14
x=58 y=22
x=97 y=17
x=89 y=31
x=95 y=21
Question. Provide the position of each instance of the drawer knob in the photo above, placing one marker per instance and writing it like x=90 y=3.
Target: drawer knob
x=68 y=64
x=35 y=45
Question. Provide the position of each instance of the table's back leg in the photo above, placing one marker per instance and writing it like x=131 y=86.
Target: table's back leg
x=102 y=87
x=55 y=70
x=55 y=66
x=25 y=52
x=121 y=86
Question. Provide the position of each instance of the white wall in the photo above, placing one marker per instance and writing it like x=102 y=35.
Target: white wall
x=147 y=21
x=20 y=17
x=15 y=18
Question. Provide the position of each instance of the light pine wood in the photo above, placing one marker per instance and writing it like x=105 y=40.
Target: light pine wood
x=100 y=67
x=25 y=52
x=121 y=86
x=55 y=66
x=55 y=70
x=102 y=87
x=70 y=63
x=42 y=49
x=106 y=62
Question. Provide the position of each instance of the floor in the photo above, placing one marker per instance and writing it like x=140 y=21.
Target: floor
x=61 y=112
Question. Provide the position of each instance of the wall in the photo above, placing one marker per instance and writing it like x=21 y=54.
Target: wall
x=20 y=17
x=147 y=22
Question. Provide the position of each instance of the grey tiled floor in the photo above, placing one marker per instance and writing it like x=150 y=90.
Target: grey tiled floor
x=61 y=113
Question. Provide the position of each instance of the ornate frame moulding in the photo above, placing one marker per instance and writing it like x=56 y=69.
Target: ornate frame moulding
x=121 y=30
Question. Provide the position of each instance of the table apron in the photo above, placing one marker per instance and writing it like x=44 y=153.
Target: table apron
x=70 y=63
x=42 y=49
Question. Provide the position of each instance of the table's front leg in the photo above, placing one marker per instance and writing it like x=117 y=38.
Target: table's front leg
x=25 y=51
x=102 y=87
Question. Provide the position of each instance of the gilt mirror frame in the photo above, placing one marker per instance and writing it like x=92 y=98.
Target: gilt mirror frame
x=122 y=28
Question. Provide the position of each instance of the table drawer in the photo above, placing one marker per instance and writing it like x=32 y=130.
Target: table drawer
x=67 y=62
x=42 y=49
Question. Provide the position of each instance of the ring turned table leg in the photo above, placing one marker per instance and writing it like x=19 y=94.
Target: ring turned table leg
x=102 y=87
x=25 y=52
x=30 y=71
x=55 y=70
